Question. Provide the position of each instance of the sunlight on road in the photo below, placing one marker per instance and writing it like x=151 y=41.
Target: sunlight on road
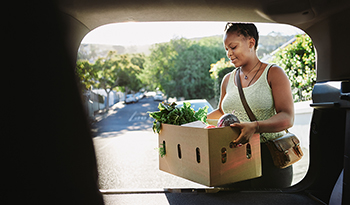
x=146 y=105
x=130 y=161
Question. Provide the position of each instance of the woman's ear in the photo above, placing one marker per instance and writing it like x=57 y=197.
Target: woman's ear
x=252 y=43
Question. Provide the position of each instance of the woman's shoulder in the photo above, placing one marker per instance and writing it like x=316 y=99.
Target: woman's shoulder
x=275 y=67
x=276 y=73
x=227 y=77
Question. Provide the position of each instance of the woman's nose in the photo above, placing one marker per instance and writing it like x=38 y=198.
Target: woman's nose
x=229 y=53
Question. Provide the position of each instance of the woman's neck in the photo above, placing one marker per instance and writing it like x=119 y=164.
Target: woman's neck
x=250 y=66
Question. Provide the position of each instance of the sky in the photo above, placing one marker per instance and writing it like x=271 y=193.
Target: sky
x=140 y=33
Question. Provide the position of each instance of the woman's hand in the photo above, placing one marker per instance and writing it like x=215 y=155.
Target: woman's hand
x=247 y=131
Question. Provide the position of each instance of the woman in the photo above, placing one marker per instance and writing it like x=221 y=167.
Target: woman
x=268 y=93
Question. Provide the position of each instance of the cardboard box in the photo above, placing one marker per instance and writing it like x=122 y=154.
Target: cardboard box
x=204 y=155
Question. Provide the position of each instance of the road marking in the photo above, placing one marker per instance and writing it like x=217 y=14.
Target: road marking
x=132 y=116
x=139 y=116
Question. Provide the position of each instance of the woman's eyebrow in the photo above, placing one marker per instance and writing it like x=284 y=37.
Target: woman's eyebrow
x=230 y=44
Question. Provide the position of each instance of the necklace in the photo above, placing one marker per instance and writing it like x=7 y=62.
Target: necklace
x=246 y=75
x=254 y=75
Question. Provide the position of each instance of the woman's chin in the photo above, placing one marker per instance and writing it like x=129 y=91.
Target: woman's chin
x=235 y=63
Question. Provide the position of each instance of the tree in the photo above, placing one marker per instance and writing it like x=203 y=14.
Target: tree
x=190 y=74
x=134 y=69
x=298 y=61
x=138 y=59
x=109 y=72
x=180 y=67
x=216 y=46
x=218 y=71
x=86 y=74
x=157 y=65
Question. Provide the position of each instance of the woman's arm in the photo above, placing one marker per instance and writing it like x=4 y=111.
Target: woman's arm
x=283 y=99
x=216 y=114
x=284 y=106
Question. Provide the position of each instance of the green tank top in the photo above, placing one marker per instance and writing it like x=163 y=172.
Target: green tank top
x=259 y=98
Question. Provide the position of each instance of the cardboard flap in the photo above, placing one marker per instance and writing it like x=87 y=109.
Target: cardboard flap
x=198 y=124
x=212 y=121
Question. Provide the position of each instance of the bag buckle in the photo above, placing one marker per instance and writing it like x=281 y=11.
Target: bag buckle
x=297 y=150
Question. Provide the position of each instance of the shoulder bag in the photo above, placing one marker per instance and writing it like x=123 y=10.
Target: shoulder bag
x=285 y=150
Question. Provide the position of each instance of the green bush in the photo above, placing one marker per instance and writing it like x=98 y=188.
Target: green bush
x=298 y=61
x=217 y=73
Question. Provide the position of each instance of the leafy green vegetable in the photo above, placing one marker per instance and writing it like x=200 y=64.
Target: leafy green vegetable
x=201 y=114
x=161 y=150
x=170 y=114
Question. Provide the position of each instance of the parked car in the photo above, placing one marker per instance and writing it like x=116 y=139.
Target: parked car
x=139 y=95
x=159 y=97
x=150 y=94
x=196 y=104
x=130 y=98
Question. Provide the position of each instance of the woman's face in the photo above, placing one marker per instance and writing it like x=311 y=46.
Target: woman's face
x=239 y=49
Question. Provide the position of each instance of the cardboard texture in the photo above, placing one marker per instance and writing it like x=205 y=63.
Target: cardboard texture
x=204 y=155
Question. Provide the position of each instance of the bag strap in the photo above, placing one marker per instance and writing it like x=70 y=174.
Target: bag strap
x=244 y=101
x=241 y=95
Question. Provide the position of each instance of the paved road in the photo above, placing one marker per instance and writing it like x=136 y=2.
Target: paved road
x=126 y=156
x=127 y=117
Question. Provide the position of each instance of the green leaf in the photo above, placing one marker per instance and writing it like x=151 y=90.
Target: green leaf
x=161 y=150
x=158 y=127
x=186 y=105
x=201 y=114
x=161 y=106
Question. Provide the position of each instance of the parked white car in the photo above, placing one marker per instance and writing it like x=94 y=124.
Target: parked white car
x=139 y=95
x=196 y=104
x=130 y=99
x=159 y=97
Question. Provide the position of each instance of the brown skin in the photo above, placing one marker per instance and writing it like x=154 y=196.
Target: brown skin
x=240 y=50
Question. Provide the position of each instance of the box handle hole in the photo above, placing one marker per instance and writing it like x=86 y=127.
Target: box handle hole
x=164 y=150
x=179 y=151
x=223 y=155
x=249 y=151
x=198 y=155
